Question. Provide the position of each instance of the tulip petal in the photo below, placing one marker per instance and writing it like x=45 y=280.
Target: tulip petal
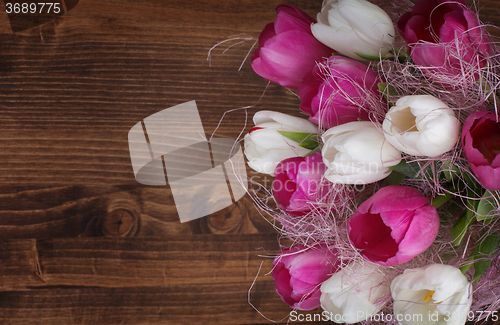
x=393 y=225
x=283 y=187
x=298 y=273
x=476 y=33
x=449 y=301
x=445 y=38
x=312 y=267
x=354 y=293
x=396 y=198
x=478 y=127
x=422 y=231
x=339 y=90
x=454 y=25
x=355 y=26
x=291 y=18
x=344 y=41
x=311 y=302
x=284 y=55
x=421 y=125
x=369 y=233
x=371 y=23
x=287 y=49
x=399 y=222
x=411 y=303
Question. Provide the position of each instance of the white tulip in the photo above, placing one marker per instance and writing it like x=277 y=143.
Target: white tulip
x=265 y=148
x=421 y=125
x=437 y=294
x=357 y=153
x=350 y=26
x=354 y=293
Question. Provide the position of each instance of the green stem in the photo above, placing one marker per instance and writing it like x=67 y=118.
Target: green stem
x=441 y=199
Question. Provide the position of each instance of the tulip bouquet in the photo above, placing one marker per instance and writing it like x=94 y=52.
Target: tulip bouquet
x=389 y=187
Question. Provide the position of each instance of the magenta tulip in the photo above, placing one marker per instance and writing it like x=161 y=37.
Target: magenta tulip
x=481 y=143
x=394 y=225
x=296 y=184
x=339 y=90
x=299 y=272
x=444 y=35
x=287 y=49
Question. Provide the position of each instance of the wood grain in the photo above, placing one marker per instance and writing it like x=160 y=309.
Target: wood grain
x=81 y=242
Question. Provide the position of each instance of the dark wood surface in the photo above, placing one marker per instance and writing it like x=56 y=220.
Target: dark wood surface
x=81 y=242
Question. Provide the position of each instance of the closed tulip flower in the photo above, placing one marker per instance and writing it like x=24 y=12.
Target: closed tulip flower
x=444 y=36
x=481 y=143
x=338 y=91
x=394 y=225
x=435 y=294
x=421 y=125
x=354 y=26
x=357 y=153
x=287 y=49
x=354 y=293
x=265 y=147
x=297 y=182
x=298 y=273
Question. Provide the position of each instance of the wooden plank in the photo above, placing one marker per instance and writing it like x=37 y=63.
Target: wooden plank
x=81 y=241
x=174 y=280
x=133 y=262
x=176 y=304
x=114 y=211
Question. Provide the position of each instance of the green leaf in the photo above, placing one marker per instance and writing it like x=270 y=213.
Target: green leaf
x=449 y=170
x=305 y=140
x=370 y=57
x=317 y=149
x=387 y=90
x=493 y=98
x=439 y=200
x=394 y=178
x=465 y=268
x=474 y=189
x=485 y=205
x=460 y=227
x=409 y=169
x=487 y=248
x=401 y=55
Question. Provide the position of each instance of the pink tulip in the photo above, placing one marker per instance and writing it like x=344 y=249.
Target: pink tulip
x=296 y=183
x=443 y=34
x=299 y=272
x=339 y=90
x=481 y=143
x=287 y=49
x=394 y=225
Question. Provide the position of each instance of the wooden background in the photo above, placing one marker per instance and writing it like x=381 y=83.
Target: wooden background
x=81 y=242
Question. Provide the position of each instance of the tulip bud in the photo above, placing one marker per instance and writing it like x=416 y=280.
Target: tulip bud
x=265 y=147
x=444 y=37
x=339 y=90
x=297 y=183
x=434 y=294
x=394 y=225
x=287 y=49
x=421 y=125
x=481 y=143
x=298 y=273
x=354 y=293
x=357 y=153
x=354 y=26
